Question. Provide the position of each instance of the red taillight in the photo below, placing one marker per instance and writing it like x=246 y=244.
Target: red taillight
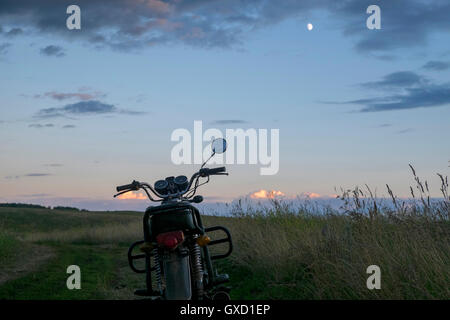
x=170 y=240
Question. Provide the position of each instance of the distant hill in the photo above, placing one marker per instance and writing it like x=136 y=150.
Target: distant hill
x=37 y=206
x=22 y=205
x=68 y=208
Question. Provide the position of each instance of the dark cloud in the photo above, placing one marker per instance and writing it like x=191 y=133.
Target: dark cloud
x=28 y=175
x=404 y=23
x=12 y=177
x=70 y=95
x=68 y=126
x=35 y=195
x=395 y=80
x=132 y=112
x=408 y=90
x=4 y=48
x=53 y=51
x=425 y=96
x=90 y=107
x=84 y=93
x=14 y=32
x=436 y=65
x=405 y=131
x=37 y=175
x=39 y=126
x=79 y=108
x=133 y=24
x=385 y=125
x=229 y=121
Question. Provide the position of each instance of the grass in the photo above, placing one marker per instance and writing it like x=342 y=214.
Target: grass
x=50 y=283
x=8 y=248
x=328 y=258
x=280 y=253
x=79 y=238
x=24 y=220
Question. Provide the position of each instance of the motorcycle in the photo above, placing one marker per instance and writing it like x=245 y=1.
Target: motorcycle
x=175 y=248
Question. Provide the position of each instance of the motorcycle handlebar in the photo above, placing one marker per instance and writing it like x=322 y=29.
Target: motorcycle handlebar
x=207 y=172
x=136 y=185
x=132 y=186
x=217 y=170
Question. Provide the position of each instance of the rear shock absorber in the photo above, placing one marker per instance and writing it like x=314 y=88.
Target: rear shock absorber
x=157 y=270
x=197 y=268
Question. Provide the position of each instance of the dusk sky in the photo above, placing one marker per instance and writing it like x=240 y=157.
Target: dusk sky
x=82 y=111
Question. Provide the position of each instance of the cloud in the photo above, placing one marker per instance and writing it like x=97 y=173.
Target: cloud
x=35 y=195
x=79 y=108
x=411 y=91
x=53 y=165
x=132 y=112
x=396 y=80
x=132 y=196
x=84 y=94
x=436 y=65
x=90 y=107
x=14 y=32
x=385 y=125
x=69 y=95
x=4 y=48
x=405 y=131
x=229 y=121
x=39 y=126
x=12 y=177
x=426 y=96
x=266 y=194
x=311 y=195
x=37 y=175
x=404 y=23
x=52 y=50
x=134 y=24
x=68 y=126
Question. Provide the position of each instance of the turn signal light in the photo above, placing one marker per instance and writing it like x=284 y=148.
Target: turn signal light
x=203 y=240
x=146 y=247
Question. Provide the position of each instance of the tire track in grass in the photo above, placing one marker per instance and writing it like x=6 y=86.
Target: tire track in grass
x=49 y=282
x=27 y=258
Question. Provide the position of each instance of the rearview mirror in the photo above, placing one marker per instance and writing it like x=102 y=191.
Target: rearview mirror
x=219 y=145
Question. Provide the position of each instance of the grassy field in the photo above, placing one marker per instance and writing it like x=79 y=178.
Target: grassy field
x=280 y=253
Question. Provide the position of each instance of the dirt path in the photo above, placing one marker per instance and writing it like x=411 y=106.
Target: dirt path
x=27 y=261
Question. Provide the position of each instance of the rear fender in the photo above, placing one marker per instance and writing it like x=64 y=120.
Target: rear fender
x=177 y=275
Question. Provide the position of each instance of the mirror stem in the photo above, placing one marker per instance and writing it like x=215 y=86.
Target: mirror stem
x=207 y=160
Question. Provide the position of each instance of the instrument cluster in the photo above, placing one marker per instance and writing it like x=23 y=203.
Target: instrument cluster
x=172 y=185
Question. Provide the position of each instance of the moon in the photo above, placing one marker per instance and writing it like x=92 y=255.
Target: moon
x=309 y=26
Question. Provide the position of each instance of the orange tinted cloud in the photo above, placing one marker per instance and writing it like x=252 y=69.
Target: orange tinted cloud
x=312 y=195
x=265 y=194
x=132 y=196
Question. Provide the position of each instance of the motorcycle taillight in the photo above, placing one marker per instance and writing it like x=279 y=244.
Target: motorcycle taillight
x=170 y=240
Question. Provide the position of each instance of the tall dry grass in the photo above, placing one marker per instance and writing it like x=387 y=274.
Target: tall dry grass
x=308 y=256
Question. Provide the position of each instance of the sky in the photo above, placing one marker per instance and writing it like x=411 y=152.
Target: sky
x=82 y=111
